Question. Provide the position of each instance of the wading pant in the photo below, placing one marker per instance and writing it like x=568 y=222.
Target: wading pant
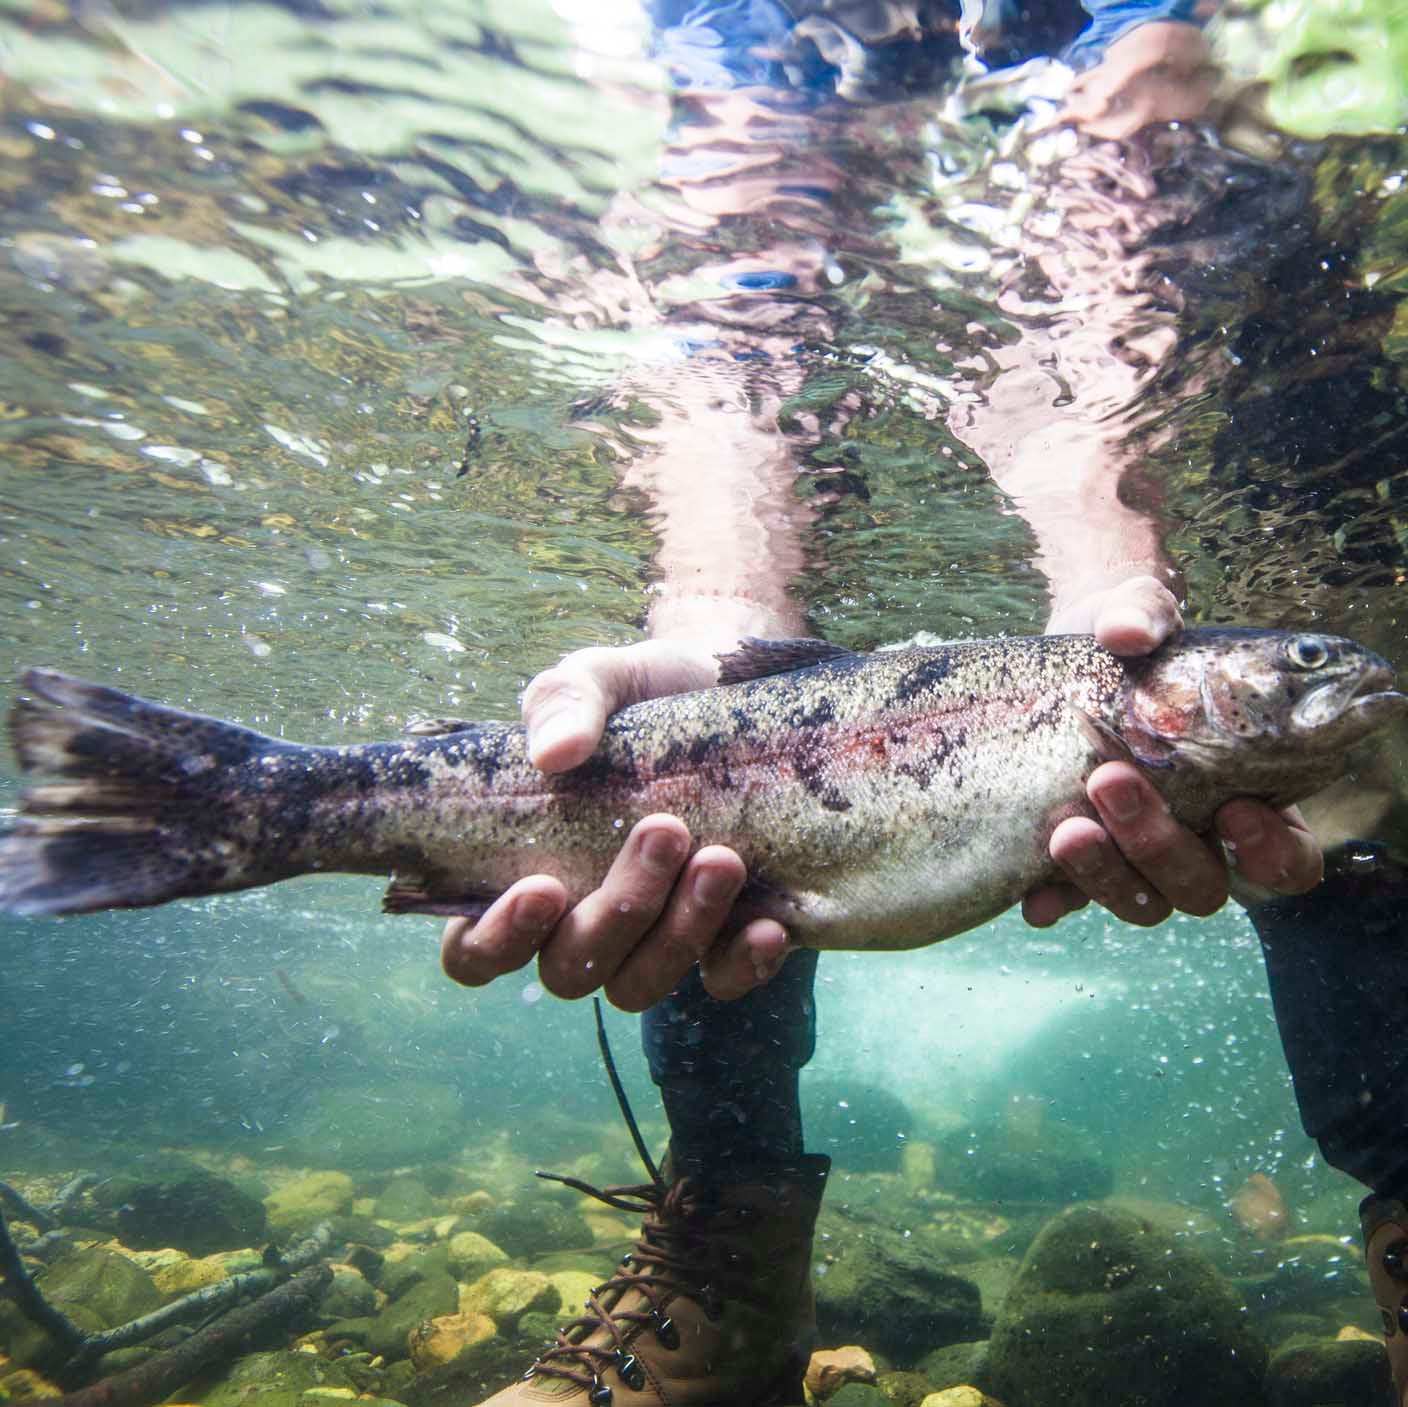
x=1337 y=963
x=1336 y=960
x=728 y=1071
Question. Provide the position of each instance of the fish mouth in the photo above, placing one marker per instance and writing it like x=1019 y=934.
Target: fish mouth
x=1371 y=699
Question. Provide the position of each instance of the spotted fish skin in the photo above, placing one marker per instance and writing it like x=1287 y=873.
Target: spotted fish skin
x=879 y=801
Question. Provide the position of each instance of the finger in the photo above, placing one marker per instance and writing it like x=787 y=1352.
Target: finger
x=695 y=912
x=749 y=958
x=1098 y=870
x=1182 y=867
x=1137 y=616
x=506 y=938
x=1270 y=848
x=1049 y=903
x=594 y=937
x=565 y=709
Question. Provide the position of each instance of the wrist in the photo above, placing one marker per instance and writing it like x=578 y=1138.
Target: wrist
x=718 y=620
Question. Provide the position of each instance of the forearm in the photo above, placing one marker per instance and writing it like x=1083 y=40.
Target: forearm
x=722 y=488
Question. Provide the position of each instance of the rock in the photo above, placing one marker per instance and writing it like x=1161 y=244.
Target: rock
x=348 y=1297
x=24 y=1384
x=185 y=1207
x=858 y=1395
x=537 y=1328
x=833 y=1368
x=506 y=1294
x=1007 y=1160
x=404 y=1199
x=1107 y=1308
x=436 y=1295
x=277 y=1379
x=404 y=1266
x=300 y=1204
x=528 y=1228
x=573 y=1287
x=183 y=1276
x=962 y=1396
x=1308 y=1273
x=903 y=1389
x=1346 y=1372
x=439 y=1341
x=475 y=1375
x=471 y=1255
x=956 y=1364
x=363 y=1230
x=880 y=1287
x=106 y=1284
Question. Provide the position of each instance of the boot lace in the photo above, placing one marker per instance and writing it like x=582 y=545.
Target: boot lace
x=664 y=1262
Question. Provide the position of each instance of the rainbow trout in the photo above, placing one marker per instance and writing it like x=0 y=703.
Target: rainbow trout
x=879 y=801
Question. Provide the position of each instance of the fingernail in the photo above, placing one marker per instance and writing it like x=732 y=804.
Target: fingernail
x=534 y=914
x=661 y=849
x=551 y=731
x=714 y=887
x=1124 y=801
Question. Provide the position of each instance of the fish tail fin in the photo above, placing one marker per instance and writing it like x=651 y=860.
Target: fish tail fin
x=128 y=822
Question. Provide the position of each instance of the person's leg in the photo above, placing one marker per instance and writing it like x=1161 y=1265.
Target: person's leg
x=714 y=1302
x=728 y=1071
x=1337 y=964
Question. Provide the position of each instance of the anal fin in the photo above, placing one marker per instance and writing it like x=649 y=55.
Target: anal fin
x=410 y=896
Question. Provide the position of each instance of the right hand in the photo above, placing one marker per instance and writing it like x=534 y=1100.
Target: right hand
x=659 y=909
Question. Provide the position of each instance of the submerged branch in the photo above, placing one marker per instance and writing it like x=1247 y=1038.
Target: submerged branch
x=19 y=1286
x=200 y=1304
x=158 y=1377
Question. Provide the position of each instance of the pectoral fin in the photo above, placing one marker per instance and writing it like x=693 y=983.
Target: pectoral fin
x=1131 y=744
x=408 y=895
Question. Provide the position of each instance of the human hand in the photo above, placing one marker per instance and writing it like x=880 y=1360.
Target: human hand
x=659 y=909
x=1157 y=72
x=1136 y=860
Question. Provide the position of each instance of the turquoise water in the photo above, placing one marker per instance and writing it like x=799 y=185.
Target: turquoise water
x=334 y=336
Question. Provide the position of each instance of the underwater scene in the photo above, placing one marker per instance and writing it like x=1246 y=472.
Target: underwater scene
x=363 y=360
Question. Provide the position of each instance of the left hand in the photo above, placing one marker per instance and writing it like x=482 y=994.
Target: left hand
x=1136 y=860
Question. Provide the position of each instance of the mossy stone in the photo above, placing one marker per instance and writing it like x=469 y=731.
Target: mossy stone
x=106 y=1284
x=429 y=1298
x=1108 y=1307
x=529 y=1228
x=277 y=1379
x=191 y=1209
x=405 y=1199
x=888 y=1291
x=956 y=1364
x=399 y=1275
x=1312 y=1372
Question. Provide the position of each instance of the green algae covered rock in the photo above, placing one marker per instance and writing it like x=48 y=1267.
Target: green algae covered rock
x=1313 y=1372
x=1109 y=1308
x=298 y=1205
x=186 y=1207
x=274 y=1380
x=428 y=1298
x=887 y=1290
x=108 y=1285
x=1330 y=66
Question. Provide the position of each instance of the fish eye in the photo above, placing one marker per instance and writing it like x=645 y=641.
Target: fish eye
x=1307 y=651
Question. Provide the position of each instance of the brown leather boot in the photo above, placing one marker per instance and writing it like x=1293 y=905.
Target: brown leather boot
x=1385 y=1223
x=713 y=1307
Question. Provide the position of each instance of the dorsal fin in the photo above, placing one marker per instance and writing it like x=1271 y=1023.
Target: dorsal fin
x=756 y=659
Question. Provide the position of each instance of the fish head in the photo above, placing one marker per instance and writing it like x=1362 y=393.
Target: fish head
x=1283 y=698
